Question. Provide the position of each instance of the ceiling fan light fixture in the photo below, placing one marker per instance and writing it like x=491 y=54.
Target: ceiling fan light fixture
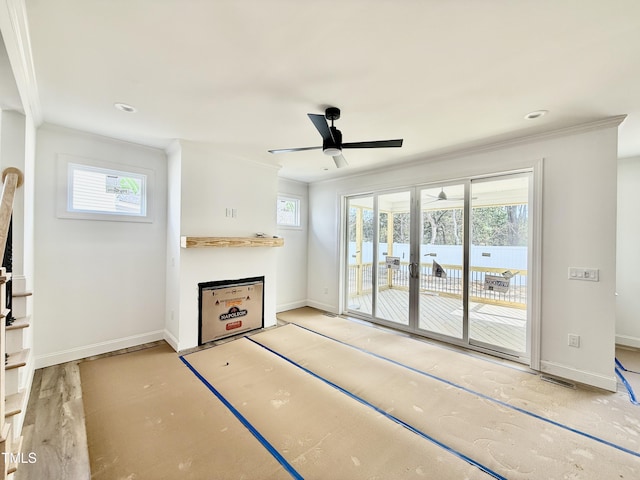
x=332 y=151
x=442 y=195
x=332 y=138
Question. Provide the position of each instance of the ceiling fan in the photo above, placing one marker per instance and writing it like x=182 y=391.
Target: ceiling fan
x=442 y=196
x=332 y=138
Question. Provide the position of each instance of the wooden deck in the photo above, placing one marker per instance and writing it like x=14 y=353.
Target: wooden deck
x=491 y=324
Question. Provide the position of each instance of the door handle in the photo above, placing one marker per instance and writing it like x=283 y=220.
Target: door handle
x=413 y=270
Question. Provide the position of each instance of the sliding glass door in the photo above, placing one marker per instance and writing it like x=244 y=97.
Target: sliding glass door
x=447 y=261
x=360 y=264
x=393 y=253
x=441 y=241
x=379 y=228
x=498 y=263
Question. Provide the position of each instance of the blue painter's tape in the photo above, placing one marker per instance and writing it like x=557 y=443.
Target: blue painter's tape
x=386 y=414
x=624 y=381
x=623 y=368
x=481 y=395
x=265 y=443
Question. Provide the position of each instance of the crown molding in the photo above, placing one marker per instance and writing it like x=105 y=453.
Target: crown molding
x=14 y=26
x=174 y=147
x=207 y=148
x=607 y=122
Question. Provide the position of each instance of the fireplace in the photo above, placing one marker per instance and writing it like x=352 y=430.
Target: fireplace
x=229 y=307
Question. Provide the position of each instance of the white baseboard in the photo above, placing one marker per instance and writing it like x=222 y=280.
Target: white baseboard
x=322 y=306
x=581 y=376
x=628 y=341
x=291 y=306
x=96 y=349
x=270 y=321
x=171 y=340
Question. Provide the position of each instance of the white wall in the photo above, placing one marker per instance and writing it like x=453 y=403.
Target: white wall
x=578 y=229
x=628 y=266
x=211 y=182
x=174 y=191
x=99 y=285
x=292 y=259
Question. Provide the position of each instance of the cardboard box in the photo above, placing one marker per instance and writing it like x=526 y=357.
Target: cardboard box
x=229 y=307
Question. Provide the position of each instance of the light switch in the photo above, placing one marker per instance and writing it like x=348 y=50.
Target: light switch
x=587 y=274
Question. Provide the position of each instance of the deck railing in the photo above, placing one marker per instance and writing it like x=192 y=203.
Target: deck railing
x=361 y=282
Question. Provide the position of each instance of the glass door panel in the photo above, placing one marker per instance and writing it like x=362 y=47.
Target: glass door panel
x=441 y=269
x=360 y=231
x=498 y=260
x=447 y=261
x=393 y=250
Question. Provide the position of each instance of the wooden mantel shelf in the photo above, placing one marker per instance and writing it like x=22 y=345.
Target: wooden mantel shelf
x=199 y=242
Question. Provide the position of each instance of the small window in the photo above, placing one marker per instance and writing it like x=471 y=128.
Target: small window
x=92 y=191
x=98 y=190
x=288 y=211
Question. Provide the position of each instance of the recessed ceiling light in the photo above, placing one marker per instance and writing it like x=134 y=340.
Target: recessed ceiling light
x=536 y=114
x=125 y=107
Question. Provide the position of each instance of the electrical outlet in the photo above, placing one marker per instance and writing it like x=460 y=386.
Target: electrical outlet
x=574 y=340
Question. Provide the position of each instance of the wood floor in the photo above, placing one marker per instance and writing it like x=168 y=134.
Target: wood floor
x=54 y=426
x=489 y=324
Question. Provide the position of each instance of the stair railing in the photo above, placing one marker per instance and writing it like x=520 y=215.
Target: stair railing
x=12 y=178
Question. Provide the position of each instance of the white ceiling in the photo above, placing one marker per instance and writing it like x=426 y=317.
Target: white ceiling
x=243 y=74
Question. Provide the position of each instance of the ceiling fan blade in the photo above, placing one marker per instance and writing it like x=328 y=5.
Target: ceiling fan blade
x=287 y=150
x=448 y=199
x=374 y=144
x=321 y=124
x=340 y=161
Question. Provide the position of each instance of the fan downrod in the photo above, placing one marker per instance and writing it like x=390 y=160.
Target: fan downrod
x=332 y=113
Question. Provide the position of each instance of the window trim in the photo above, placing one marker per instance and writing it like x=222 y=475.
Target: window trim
x=298 y=200
x=65 y=185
